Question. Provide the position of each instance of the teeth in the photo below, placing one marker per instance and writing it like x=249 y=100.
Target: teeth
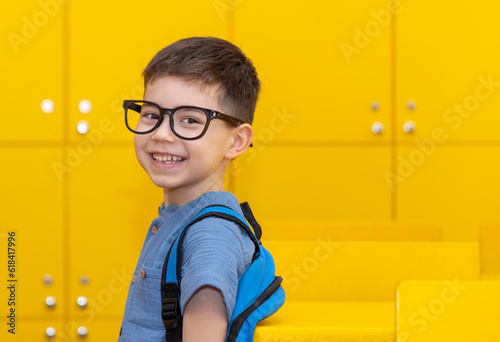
x=167 y=159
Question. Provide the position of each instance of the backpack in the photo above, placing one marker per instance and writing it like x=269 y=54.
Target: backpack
x=259 y=293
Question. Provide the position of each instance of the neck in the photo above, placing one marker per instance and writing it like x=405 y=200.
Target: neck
x=184 y=195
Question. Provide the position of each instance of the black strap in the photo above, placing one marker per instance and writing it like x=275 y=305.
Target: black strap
x=171 y=312
x=170 y=308
x=245 y=207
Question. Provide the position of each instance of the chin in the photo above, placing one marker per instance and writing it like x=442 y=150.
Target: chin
x=162 y=183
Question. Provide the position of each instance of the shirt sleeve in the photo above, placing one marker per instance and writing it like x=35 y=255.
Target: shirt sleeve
x=216 y=252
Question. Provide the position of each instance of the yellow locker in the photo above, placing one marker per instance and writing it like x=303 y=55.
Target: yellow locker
x=324 y=68
x=319 y=183
x=32 y=221
x=458 y=185
x=111 y=44
x=111 y=205
x=95 y=330
x=37 y=331
x=32 y=93
x=447 y=70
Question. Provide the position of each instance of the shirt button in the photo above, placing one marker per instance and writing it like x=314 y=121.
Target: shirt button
x=154 y=229
x=143 y=274
x=133 y=279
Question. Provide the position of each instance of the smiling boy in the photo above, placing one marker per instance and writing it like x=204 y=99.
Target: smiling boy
x=196 y=115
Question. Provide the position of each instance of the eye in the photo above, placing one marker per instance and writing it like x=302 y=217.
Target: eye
x=151 y=116
x=190 y=116
x=189 y=120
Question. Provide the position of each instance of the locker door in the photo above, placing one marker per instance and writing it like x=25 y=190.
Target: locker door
x=447 y=69
x=457 y=185
x=32 y=216
x=31 y=59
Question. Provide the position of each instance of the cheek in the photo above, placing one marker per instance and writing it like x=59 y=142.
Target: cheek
x=139 y=142
x=205 y=154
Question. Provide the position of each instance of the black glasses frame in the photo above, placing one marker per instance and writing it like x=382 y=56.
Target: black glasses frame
x=211 y=115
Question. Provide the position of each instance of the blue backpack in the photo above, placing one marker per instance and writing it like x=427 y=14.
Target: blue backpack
x=259 y=292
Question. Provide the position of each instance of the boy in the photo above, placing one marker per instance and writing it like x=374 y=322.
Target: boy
x=211 y=90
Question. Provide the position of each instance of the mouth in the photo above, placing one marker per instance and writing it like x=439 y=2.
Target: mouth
x=167 y=158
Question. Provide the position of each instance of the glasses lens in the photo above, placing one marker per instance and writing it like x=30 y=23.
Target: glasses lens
x=142 y=117
x=189 y=122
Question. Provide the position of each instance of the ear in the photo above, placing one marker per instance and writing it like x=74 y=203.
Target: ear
x=242 y=138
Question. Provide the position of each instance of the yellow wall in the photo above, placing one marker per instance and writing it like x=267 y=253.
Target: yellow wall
x=80 y=205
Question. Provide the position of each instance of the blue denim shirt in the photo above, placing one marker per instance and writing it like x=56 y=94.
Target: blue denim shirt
x=216 y=252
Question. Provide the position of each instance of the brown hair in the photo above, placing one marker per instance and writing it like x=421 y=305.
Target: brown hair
x=211 y=61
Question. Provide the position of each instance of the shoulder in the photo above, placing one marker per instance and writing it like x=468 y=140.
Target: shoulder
x=214 y=234
x=218 y=231
x=218 y=226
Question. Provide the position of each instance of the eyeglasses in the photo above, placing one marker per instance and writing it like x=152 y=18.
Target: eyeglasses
x=186 y=122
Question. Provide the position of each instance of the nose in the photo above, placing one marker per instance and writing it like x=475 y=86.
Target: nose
x=164 y=131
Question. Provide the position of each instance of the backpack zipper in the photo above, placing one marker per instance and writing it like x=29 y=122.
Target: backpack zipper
x=238 y=321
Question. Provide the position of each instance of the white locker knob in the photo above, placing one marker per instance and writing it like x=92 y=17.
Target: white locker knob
x=82 y=301
x=47 y=106
x=50 y=332
x=84 y=106
x=82 y=331
x=82 y=127
x=50 y=301
x=409 y=127
x=377 y=127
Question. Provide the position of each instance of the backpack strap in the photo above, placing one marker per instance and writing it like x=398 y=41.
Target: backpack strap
x=171 y=272
x=245 y=207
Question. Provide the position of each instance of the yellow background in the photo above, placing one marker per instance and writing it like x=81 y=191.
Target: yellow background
x=80 y=204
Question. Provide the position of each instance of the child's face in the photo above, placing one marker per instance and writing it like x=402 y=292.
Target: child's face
x=193 y=167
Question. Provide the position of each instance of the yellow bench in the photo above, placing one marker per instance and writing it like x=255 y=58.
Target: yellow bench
x=329 y=321
x=345 y=291
x=448 y=311
x=352 y=230
x=327 y=270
